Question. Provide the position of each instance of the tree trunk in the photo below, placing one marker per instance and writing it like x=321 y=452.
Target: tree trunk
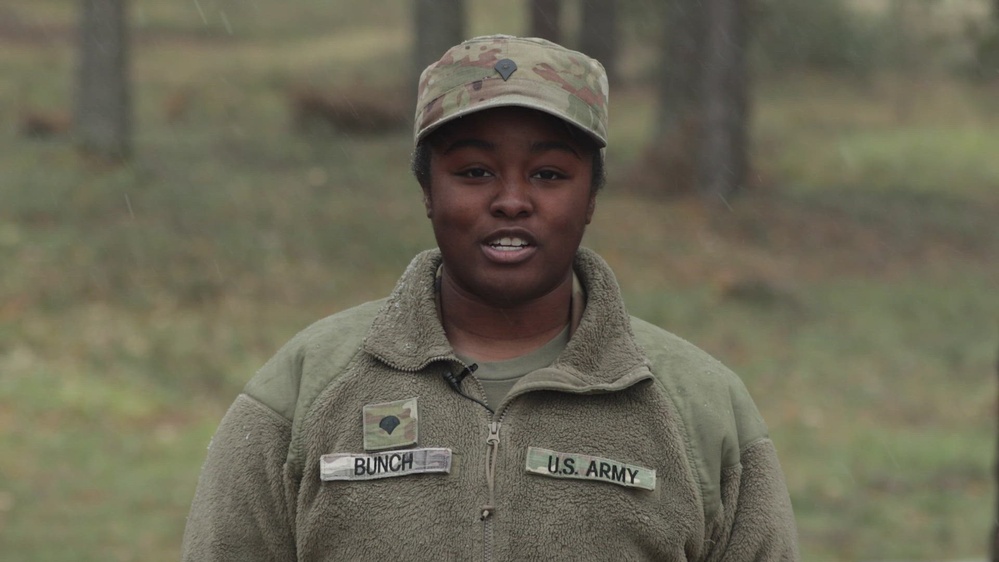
x=599 y=34
x=679 y=71
x=994 y=539
x=103 y=104
x=438 y=26
x=673 y=155
x=545 y=15
x=723 y=160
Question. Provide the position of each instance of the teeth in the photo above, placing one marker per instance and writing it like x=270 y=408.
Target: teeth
x=508 y=243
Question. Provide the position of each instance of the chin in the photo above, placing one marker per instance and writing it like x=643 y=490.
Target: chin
x=511 y=293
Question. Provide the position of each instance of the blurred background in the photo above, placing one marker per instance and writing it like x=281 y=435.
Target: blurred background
x=807 y=190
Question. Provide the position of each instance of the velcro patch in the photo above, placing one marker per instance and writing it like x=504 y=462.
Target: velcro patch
x=350 y=466
x=390 y=425
x=587 y=467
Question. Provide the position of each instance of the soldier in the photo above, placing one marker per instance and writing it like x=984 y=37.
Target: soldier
x=500 y=403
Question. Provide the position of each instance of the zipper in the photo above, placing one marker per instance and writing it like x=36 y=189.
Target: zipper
x=492 y=454
x=488 y=510
x=492 y=447
x=422 y=366
x=492 y=444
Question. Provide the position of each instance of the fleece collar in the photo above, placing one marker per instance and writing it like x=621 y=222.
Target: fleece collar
x=601 y=355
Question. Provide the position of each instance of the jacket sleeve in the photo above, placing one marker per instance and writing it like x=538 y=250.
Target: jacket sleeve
x=757 y=519
x=243 y=506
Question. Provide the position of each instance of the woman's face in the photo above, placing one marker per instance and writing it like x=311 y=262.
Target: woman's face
x=509 y=199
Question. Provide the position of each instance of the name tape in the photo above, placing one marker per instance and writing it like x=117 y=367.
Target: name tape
x=587 y=467
x=350 y=466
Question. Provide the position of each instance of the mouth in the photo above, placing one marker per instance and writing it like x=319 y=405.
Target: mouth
x=509 y=244
x=509 y=248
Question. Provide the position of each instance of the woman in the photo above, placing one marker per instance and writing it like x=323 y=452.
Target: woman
x=501 y=403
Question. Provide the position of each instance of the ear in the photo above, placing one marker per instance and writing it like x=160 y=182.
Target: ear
x=428 y=202
x=591 y=207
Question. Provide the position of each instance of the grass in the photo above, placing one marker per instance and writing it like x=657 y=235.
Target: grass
x=928 y=134
x=854 y=293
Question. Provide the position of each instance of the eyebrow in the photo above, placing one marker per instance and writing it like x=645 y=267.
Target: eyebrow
x=469 y=143
x=537 y=147
x=544 y=146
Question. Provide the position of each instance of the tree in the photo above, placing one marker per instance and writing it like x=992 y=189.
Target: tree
x=545 y=16
x=701 y=139
x=438 y=26
x=102 y=114
x=599 y=34
x=994 y=539
x=724 y=155
x=677 y=119
x=679 y=70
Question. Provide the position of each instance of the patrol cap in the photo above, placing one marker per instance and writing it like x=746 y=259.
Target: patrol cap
x=502 y=70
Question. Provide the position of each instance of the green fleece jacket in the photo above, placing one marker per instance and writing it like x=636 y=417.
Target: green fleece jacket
x=623 y=399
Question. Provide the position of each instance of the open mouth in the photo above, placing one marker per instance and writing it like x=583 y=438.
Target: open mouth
x=509 y=244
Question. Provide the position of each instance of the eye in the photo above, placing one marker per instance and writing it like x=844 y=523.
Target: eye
x=473 y=173
x=549 y=175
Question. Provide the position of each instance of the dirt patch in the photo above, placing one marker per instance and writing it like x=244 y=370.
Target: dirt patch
x=17 y=31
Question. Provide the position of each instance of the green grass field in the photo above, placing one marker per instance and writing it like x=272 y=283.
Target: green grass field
x=857 y=292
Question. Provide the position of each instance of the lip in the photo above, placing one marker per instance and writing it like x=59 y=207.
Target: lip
x=509 y=256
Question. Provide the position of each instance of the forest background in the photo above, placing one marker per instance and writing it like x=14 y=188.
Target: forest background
x=853 y=285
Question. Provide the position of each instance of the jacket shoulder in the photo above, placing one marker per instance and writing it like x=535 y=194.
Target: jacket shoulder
x=719 y=417
x=303 y=367
x=707 y=392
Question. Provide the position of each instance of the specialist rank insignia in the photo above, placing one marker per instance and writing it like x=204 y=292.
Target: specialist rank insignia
x=390 y=425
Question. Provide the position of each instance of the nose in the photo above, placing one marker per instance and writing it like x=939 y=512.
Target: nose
x=514 y=199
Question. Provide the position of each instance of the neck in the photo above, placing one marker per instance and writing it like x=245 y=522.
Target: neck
x=494 y=333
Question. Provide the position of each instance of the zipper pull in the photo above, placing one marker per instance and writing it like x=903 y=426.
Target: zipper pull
x=493 y=438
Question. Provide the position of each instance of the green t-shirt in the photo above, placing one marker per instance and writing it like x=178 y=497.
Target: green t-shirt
x=498 y=377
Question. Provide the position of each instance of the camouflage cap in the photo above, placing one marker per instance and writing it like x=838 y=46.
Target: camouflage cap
x=502 y=70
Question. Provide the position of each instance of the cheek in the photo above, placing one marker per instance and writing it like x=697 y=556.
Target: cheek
x=451 y=222
x=575 y=213
x=450 y=208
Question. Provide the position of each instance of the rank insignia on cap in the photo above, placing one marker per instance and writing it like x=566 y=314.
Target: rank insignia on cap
x=505 y=67
x=390 y=425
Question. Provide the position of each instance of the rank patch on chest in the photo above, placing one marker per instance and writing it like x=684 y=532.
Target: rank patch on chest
x=391 y=425
x=587 y=467
x=349 y=466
